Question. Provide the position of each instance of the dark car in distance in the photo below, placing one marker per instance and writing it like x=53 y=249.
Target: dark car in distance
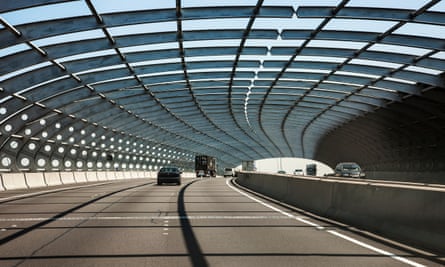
x=169 y=175
x=349 y=169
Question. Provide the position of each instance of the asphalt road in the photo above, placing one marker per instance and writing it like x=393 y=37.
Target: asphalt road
x=205 y=222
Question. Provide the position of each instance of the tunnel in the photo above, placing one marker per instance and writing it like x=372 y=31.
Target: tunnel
x=92 y=85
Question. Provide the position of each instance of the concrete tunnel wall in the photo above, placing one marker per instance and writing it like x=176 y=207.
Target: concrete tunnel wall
x=405 y=141
x=410 y=215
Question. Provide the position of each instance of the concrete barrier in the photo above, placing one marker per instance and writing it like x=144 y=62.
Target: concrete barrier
x=80 y=177
x=91 y=176
x=127 y=175
x=13 y=181
x=110 y=175
x=67 y=178
x=102 y=176
x=119 y=175
x=2 y=188
x=52 y=178
x=35 y=180
x=410 y=214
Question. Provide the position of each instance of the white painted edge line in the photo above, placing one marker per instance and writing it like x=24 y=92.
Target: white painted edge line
x=92 y=218
x=48 y=191
x=345 y=237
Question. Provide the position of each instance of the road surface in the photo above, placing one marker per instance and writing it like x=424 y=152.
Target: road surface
x=203 y=222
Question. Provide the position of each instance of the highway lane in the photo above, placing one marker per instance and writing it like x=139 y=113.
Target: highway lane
x=204 y=222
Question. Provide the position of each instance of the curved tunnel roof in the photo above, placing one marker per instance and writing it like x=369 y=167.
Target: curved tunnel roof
x=96 y=84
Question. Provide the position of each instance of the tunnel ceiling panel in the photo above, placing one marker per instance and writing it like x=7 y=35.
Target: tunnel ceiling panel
x=98 y=84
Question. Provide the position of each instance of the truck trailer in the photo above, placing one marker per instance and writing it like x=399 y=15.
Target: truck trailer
x=205 y=166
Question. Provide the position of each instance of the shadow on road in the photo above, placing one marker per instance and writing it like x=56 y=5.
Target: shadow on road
x=192 y=244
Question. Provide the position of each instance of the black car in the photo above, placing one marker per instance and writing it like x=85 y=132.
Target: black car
x=349 y=169
x=169 y=175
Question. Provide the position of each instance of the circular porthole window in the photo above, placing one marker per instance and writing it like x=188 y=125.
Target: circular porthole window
x=47 y=148
x=32 y=146
x=24 y=117
x=28 y=131
x=25 y=162
x=79 y=164
x=42 y=122
x=6 y=161
x=3 y=111
x=14 y=144
x=8 y=127
x=41 y=162
x=55 y=163
x=90 y=164
x=100 y=164
x=68 y=164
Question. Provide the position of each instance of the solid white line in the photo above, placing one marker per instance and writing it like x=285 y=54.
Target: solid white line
x=381 y=251
x=99 y=218
x=345 y=237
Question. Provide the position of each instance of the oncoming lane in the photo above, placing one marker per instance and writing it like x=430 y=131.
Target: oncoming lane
x=204 y=222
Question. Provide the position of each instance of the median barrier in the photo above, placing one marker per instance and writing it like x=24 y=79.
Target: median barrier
x=1 y=184
x=24 y=180
x=13 y=181
x=110 y=175
x=67 y=178
x=91 y=176
x=127 y=175
x=119 y=175
x=80 y=177
x=52 y=178
x=410 y=214
x=35 y=179
x=102 y=176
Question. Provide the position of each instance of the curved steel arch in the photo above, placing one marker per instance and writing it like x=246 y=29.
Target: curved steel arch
x=239 y=82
